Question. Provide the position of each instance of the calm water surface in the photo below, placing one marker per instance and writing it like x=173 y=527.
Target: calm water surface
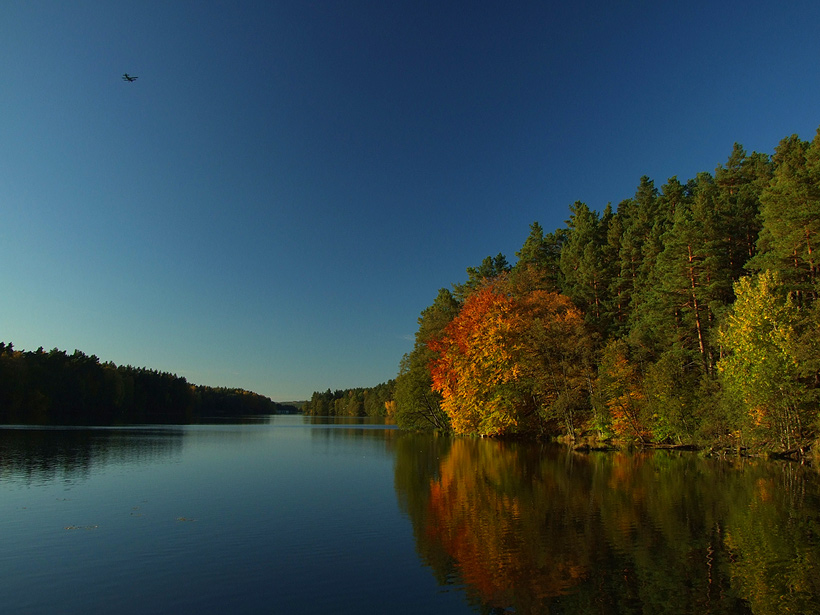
x=293 y=515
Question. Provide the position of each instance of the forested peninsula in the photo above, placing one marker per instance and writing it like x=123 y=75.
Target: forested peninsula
x=55 y=388
x=688 y=315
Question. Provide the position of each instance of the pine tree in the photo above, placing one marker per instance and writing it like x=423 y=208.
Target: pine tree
x=489 y=269
x=739 y=185
x=617 y=308
x=638 y=243
x=790 y=209
x=586 y=280
x=544 y=252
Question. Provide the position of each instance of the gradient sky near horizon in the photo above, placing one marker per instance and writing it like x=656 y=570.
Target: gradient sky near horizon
x=289 y=183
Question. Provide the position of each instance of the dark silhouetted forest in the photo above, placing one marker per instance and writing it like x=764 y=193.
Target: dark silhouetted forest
x=57 y=388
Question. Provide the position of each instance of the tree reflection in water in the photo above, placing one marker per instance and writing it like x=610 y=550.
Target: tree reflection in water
x=546 y=530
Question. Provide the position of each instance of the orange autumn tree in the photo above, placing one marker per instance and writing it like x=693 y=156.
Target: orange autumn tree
x=513 y=362
x=620 y=381
x=475 y=365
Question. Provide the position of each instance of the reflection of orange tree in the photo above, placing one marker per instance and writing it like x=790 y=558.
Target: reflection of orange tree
x=486 y=514
x=542 y=529
x=532 y=528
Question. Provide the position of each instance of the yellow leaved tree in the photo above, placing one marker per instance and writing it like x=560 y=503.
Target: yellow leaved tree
x=760 y=368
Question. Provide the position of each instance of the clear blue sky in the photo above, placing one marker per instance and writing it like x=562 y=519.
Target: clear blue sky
x=288 y=184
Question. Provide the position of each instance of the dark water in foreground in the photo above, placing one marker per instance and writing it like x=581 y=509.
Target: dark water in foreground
x=290 y=516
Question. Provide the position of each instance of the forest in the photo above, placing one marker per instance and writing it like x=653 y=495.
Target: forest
x=55 y=388
x=374 y=401
x=687 y=315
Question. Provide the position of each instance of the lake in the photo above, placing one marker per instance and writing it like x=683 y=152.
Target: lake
x=294 y=514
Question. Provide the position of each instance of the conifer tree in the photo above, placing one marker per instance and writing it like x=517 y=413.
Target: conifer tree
x=585 y=277
x=617 y=308
x=544 y=252
x=638 y=243
x=790 y=208
x=491 y=267
x=739 y=185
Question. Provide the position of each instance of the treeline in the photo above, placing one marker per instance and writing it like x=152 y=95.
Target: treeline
x=689 y=314
x=366 y=401
x=57 y=388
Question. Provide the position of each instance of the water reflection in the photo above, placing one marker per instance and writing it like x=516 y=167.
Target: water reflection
x=546 y=530
x=283 y=517
x=362 y=422
x=38 y=455
x=31 y=454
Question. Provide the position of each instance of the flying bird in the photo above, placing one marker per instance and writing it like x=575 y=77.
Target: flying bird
x=129 y=78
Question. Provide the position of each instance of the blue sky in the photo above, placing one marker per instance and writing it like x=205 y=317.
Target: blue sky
x=288 y=184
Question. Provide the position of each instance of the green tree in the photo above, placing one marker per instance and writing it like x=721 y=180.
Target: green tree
x=586 y=279
x=790 y=209
x=739 y=184
x=617 y=307
x=543 y=251
x=635 y=232
x=490 y=268
x=417 y=405
x=674 y=310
